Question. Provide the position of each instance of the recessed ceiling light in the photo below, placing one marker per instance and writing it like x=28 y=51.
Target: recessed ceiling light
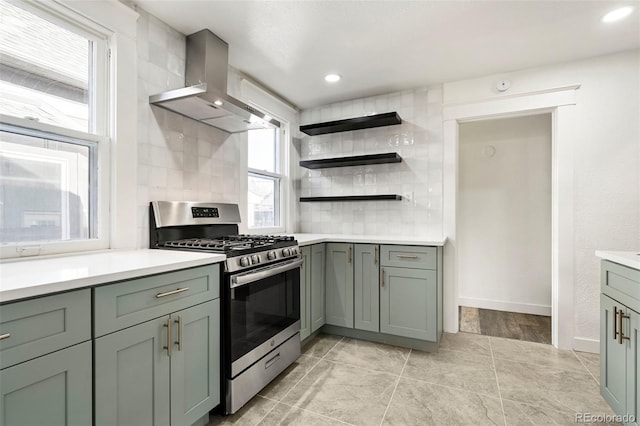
x=617 y=14
x=218 y=102
x=332 y=78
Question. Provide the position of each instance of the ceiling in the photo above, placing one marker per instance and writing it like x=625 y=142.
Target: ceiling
x=384 y=46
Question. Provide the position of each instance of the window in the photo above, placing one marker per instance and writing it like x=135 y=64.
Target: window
x=53 y=103
x=265 y=179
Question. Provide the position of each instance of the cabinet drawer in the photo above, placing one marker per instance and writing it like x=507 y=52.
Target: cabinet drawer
x=121 y=305
x=39 y=326
x=408 y=256
x=621 y=283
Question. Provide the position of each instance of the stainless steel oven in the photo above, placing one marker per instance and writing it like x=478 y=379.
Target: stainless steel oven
x=262 y=332
x=260 y=287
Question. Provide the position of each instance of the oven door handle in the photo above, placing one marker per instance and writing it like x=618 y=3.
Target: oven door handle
x=260 y=274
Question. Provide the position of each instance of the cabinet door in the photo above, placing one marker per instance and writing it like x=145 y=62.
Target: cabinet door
x=53 y=390
x=408 y=303
x=317 y=286
x=339 y=280
x=132 y=376
x=633 y=370
x=613 y=378
x=195 y=362
x=366 y=279
x=305 y=293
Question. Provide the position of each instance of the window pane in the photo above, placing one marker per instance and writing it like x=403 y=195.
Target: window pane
x=262 y=150
x=44 y=70
x=263 y=203
x=44 y=189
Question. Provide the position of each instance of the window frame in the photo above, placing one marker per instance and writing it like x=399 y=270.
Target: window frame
x=100 y=107
x=281 y=178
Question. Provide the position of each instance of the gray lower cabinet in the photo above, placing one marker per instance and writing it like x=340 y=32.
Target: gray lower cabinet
x=143 y=379
x=157 y=351
x=366 y=279
x=619 y=340
x=45 y=361
x=53 y=390
x=312 y=288
x=339 y=284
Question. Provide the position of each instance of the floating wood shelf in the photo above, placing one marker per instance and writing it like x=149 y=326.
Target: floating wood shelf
x=357 y=123
x=356 y=160
x=390 y=197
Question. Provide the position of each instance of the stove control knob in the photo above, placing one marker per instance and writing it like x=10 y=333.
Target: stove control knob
x=286 y=252
x=244 y=261
x=294 y=250
x=271 y=255
x=255 y=259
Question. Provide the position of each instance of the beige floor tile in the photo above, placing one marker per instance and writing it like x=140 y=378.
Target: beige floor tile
x=374 y=356
x=466 y=342
x=248 y=415
x=284 y=414
x=469 y=320
x=320 y=345
x=419 y=403
x=545 y=387
x=534 y=353
x=343 y=392
x=518 y=414
x=289 y=377
x=468 y=371
x=592 y=362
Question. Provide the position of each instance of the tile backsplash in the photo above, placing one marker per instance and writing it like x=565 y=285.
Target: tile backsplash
x=179 y=159
x=418 y=178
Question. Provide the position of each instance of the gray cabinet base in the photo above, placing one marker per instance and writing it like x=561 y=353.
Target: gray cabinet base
x=387 y=339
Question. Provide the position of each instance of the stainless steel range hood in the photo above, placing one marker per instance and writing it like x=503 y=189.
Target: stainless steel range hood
x=205 y=98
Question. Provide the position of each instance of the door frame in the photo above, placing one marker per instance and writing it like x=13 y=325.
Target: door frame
x=560 y=102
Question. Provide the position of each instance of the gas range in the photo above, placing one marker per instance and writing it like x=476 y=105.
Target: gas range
x=212 y=227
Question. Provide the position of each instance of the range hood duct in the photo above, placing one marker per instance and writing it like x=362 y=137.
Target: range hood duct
x=205 y=98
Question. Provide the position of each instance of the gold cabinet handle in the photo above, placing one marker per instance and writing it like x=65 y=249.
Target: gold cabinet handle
x=172 y=292
x=621 y=335
x=168 y=347
x=407 y=256
x=5 y=336
x=375 y=255
x=350 y=248
x=615 y=322
x=382 y=280
x=179 y=341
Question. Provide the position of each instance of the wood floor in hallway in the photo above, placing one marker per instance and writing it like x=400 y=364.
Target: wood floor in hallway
x=512 y=325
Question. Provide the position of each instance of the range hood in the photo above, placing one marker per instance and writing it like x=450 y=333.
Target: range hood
x=205 y=98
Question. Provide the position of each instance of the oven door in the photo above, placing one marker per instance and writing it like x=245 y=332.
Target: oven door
x=264 y=311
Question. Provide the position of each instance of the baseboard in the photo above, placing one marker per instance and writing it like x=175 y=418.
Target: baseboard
x=498 y=305
x=586 y=345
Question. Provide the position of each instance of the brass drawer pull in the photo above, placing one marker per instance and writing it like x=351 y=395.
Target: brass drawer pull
x=615 y=322
x=621 y=335
x=168 y=347
x=375 y=255
x=172 y=292
x=350 y=248
x=407 y=256
x=179 y=341
x=5 y=336
x=382 y=281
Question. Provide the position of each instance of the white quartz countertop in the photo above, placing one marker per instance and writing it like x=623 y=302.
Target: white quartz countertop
x=627 y=258
x=307 y=239
x=36 y=277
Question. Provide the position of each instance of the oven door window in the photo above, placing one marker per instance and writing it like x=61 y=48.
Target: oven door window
x=261 y=309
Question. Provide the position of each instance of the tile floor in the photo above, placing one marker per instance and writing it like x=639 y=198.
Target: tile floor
x=473 y=380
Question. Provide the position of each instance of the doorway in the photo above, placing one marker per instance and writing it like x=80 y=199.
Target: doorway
x=504 y=226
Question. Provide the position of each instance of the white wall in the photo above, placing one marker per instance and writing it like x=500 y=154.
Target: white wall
x=605 y=145
x=504 y=219
x=418 y=140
